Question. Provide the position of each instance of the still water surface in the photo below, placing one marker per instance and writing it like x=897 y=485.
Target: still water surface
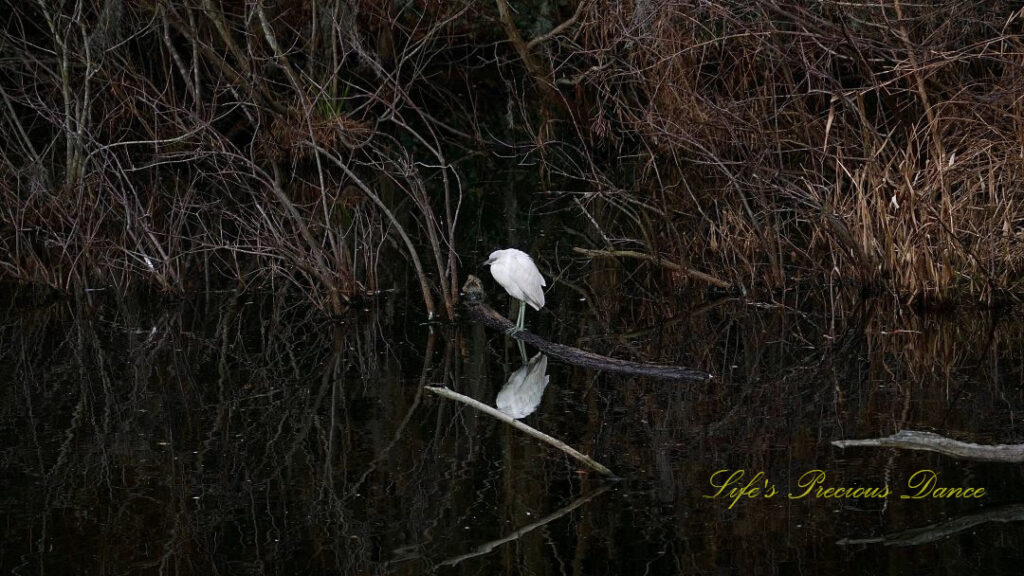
x=249 y=435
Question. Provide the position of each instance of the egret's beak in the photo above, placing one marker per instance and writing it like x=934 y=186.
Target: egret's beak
x=488 y=262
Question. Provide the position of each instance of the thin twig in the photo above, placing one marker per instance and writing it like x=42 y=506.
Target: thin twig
x=695 y=274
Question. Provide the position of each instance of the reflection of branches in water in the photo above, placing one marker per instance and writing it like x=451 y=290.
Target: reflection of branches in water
x=241 y=431
x=941 y=530
x=431 y=342
x=171 y=429
x=489 y=546
x=790 y=383
x=857 y=357
x=247 y=432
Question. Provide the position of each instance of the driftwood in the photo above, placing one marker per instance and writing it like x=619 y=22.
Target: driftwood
x=481 y=312
x=493 y=412
x=912 y=440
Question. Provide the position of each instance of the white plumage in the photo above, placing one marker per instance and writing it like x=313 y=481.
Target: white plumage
x=521 y=395
x=519 y=276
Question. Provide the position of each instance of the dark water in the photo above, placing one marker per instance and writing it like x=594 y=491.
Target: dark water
x=224 y=435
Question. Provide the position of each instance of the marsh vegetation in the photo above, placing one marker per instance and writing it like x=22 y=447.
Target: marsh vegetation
x=346 y=148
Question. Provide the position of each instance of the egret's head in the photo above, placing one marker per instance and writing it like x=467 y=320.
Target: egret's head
x=493 y=257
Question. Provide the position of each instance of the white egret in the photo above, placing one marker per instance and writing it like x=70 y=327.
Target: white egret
x=519 y=276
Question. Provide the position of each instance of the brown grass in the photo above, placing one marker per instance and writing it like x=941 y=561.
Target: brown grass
x=880 y=143
x=184 y=146
x=874 y=145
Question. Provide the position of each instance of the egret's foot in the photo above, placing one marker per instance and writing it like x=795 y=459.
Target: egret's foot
x=513 y=331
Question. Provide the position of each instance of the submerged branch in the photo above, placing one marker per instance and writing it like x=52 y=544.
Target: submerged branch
x=590 y=462
x=941 y=530
x=483 y=313
x=913 y=440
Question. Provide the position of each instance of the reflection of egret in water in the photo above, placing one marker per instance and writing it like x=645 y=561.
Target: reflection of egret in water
x=521 y=395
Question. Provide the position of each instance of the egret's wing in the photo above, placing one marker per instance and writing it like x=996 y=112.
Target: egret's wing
x=530 y=282
x=519 y=276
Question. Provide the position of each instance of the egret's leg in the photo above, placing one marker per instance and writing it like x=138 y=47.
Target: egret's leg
x=522 y=351
x=522 y=316
x=515 y=328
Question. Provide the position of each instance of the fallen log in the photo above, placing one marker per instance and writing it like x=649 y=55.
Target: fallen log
x=474 y=301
